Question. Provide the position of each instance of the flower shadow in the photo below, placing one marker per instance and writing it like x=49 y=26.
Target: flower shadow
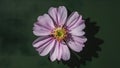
x=92 y=46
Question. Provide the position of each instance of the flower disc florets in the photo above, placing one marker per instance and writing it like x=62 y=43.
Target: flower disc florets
x=59 y=33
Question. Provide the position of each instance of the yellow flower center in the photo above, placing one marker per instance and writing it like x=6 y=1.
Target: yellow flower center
x=59 y=33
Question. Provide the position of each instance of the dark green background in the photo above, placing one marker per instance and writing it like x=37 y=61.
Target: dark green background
x=16 y=22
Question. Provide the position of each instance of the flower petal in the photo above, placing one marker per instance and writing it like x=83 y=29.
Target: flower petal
x=77 y=23
x=46 y=21
x=41 y=41
x=75 y=47
x=48 y=48
x=39 y=30
x=78 y=31
x=59 y=52
x=42 y=47
x=65 y=53
x=76 y=44
x=59 y=15
x=54 y=52
x=62 y=15
x=53 y=14
x=80 y=39
x=43 y=26
x=72 y=18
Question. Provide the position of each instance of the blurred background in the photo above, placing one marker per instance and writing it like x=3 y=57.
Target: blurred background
x=16 y=22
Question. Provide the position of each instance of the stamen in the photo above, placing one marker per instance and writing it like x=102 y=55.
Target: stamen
x=59 y=33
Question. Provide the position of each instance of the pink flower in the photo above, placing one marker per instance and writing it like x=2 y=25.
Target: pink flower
x=58 y=33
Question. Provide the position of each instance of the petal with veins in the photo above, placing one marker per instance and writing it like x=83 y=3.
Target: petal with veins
x=43 y=26
x=65 y=52
x=48 y=48
x=54 y=52
x=72 y=18
x=46 y=21
x=78 y=31
x=59 y=15
x=76 y=43
x=41 y=41
x=40 y=30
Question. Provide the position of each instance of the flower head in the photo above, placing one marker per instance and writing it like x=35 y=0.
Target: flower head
x=57 y=33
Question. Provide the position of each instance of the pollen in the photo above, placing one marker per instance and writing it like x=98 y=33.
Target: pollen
x=59 y=33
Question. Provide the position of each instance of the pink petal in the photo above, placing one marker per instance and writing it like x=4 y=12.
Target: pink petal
x=47 y=49
x=53 y=13
x=54 y=53
x=41 y=41
x=65 y=53
x=46 y=21
x=42 y=47
x=39 y=30
x=59 y=15
x=59 y=52
x=77 y=23
x=62 y=15
x=78 y=31
x=72 y=18
x=76 y=44
x=43 y=26
x=75 y=47
x=80 y=39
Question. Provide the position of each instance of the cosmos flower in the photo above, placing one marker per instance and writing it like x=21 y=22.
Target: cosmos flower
x=57 y=33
